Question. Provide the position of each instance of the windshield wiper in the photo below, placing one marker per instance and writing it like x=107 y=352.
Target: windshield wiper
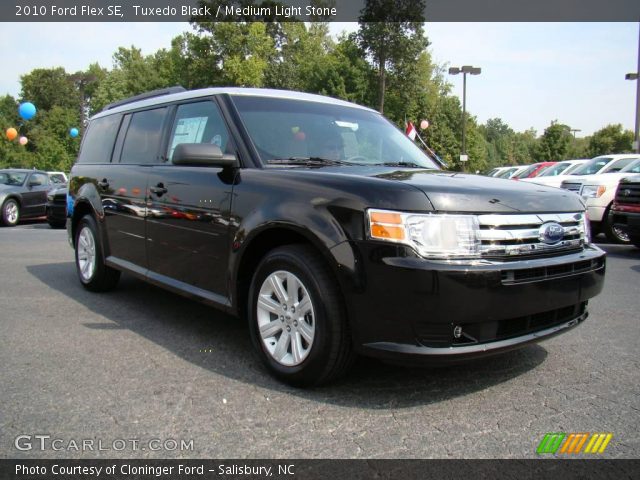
x=310 y=161
x=401 y=164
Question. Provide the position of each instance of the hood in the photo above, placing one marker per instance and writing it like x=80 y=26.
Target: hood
x=450 y=191
x=458 y=192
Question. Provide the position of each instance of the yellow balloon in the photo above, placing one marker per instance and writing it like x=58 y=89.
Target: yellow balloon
x=12 y=133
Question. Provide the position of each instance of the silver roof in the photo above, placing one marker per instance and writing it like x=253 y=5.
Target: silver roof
x=234 y=91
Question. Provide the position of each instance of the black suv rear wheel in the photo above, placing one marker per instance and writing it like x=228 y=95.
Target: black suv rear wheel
x=296 y=318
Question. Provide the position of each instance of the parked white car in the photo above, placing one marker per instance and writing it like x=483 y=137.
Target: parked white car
x=598 y=192
x=597 y=165
x=553 y=176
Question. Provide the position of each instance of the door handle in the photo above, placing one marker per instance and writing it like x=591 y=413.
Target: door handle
x=159 y=189
x=104 y=183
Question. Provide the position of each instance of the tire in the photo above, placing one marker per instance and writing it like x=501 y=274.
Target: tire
x=92 y=271
x=10 y=212
x=613 y=234
x=317 y=347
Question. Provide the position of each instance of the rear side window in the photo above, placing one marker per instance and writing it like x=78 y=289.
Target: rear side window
x=97 y=145
x=142 y=143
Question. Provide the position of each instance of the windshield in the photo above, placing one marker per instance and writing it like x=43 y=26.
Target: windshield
x=633 y=167
x=12 y=178
x=507 y=173
x=555 y=169
x=283 y=129
x=526 y=172
x=573 y=168
x=592 y=167
x=56 y=178
x=618 y=165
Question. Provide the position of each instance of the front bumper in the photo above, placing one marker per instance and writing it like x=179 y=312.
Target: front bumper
x=446 y=310
x=595 y=213
x=628 y=222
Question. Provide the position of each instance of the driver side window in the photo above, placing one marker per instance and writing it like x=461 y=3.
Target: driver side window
x=199 y=122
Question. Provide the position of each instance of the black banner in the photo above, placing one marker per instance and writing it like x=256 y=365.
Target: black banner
x=318 y=10
x=317 y=469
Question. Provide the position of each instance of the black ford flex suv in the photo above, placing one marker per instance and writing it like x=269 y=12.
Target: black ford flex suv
x=326 y=228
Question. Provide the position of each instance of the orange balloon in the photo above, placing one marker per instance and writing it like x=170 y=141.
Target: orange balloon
x=12 y=133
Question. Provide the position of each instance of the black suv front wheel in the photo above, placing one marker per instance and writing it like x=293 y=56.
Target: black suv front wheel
x=296 y=318
x=92 y=271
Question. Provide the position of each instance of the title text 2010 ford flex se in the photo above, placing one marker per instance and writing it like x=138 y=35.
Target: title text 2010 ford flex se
x=326 y=228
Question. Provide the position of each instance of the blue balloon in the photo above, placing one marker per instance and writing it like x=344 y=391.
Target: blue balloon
x=74 y=132
x=27 y=110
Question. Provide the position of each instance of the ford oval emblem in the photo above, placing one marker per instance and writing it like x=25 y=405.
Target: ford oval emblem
x=550 y=233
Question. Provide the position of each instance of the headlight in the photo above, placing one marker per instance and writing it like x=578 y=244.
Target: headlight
x=593 y=191
x=431 y=235
x=586 y=227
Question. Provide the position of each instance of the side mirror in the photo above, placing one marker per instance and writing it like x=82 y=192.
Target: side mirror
x=34 y=183
x=202 y=155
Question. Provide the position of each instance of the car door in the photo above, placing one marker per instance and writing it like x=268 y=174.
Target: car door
x=34 y=198
x=124 y=185
x=189 y=207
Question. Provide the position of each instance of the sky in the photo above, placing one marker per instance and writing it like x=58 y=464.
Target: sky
x=532 y=73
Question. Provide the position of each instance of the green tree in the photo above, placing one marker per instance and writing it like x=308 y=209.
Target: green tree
x=554 y=143
x=194 y=64
x=610 y=139
x=133 y=73
x=392 y=35
x=48 y=87
x=579 y=148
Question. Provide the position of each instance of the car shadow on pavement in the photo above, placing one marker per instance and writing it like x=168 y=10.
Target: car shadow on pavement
x=220 y=343
x=615 y=250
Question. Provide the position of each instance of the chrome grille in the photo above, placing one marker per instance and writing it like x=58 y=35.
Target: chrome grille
x=518 y=235
x=628 y=193
x=573 y=186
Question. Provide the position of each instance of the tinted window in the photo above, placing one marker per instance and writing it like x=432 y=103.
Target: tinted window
x=142 y=143
x=199 y=123
x=12 y=178
x=97 y=145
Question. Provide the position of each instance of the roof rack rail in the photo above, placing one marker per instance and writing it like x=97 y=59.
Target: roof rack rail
x=143 y=96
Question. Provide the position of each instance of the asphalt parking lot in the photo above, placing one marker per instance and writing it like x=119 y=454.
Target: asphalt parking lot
x=139 y=363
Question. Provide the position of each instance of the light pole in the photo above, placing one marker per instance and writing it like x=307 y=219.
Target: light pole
x=634 y=76
x=464 y=70
x=574 y=130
